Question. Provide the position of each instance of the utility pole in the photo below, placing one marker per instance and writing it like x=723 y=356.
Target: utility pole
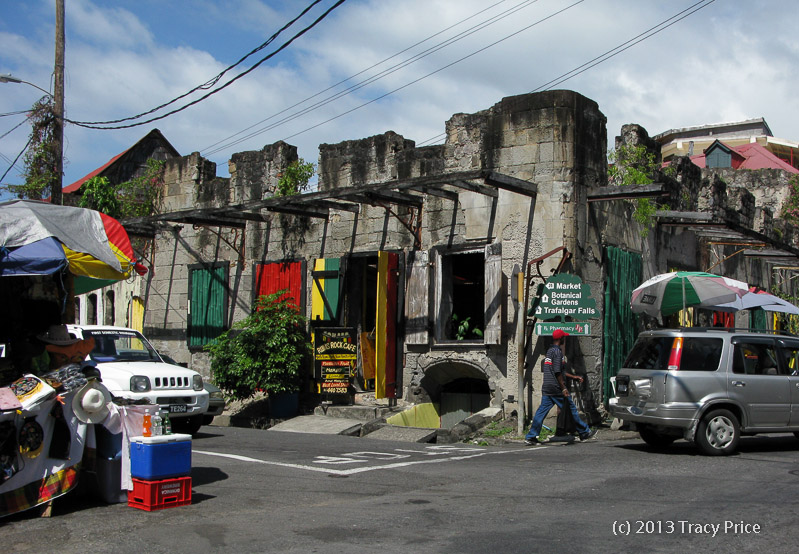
x=58 y=107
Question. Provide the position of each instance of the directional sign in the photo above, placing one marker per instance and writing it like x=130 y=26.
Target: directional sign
x=565 y=295
x=577 y=328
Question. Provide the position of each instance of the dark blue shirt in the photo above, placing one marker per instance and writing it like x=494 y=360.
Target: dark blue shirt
x=552 y=366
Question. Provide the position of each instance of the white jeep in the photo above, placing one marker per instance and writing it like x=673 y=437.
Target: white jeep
x=132 y=369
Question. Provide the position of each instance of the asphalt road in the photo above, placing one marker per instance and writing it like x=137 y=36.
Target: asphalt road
x=268 y=491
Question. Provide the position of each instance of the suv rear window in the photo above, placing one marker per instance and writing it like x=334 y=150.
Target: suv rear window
x=698 y=353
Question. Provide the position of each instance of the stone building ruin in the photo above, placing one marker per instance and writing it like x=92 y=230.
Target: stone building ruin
x=435 y=236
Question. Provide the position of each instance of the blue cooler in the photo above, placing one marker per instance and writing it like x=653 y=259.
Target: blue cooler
x=160 y=457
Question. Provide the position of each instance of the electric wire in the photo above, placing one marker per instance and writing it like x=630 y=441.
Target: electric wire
x=211 y=82
x=666 y=23
x=16 y=159
x=230 y=82
x=210 y=150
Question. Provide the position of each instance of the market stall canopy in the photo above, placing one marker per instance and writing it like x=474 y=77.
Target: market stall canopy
x=753 y=300
x=39 y=238
x=668 y=293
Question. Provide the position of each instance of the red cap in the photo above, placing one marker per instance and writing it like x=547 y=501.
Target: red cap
x=559 y=334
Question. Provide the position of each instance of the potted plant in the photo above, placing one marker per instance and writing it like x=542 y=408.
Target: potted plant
x=264 y=352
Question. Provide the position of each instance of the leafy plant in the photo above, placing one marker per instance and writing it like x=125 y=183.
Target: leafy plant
x=294 y=179
x=463 y=328
x=40 y=156
x=135 y=198
x=635 y=165
x=265 y=351
x=790 y=209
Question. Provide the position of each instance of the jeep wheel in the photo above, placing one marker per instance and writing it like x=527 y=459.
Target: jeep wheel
x=718 y=433
x=188 y=425
x=655 y=440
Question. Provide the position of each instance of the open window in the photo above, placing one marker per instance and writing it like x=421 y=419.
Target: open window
x=468 y=295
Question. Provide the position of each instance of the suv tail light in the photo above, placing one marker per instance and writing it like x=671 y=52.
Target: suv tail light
x=676 y=354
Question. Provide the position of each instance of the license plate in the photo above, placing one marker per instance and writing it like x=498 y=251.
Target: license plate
x=177 y=408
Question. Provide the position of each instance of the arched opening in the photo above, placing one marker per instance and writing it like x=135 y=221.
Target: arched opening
x=109 y=308
x=460 y=390
x=91 y=310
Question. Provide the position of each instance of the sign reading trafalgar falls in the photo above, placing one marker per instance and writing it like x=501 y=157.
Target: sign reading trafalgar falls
x=564 y=295
x=335 y=356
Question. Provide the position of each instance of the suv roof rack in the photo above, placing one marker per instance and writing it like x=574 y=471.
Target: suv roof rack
x=738 y=330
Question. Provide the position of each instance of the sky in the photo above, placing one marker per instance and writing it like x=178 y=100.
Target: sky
x=372 y=66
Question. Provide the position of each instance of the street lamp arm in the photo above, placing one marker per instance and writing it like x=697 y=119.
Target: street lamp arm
x=8 y=78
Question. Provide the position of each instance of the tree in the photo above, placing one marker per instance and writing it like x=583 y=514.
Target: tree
x=265 y=351
x=135 y=198
x=790 y=208
x=635 y=165
x=294 y=179
x=40 y=156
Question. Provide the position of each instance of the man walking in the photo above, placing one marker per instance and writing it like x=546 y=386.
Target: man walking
x=555 y=393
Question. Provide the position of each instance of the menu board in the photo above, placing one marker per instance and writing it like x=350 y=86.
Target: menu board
x=335 y=357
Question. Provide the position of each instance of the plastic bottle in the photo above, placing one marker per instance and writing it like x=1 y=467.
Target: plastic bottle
x=157 y=422
x=167 y=424
x=147 y=424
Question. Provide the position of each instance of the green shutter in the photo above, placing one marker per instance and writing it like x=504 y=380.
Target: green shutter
x=620 y=323
x=208 y=296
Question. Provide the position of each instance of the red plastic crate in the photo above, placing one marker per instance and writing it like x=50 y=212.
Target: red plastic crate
x=157 y=495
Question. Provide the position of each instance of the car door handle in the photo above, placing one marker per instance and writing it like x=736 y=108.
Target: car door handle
x=742 y=384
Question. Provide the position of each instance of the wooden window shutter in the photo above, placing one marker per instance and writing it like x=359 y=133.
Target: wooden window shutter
x=493 y=294
x=416 y=300
x=272 y=277
x=386 y=326
x=326 y=289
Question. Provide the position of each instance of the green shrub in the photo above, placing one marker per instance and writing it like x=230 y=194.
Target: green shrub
x=266 y=351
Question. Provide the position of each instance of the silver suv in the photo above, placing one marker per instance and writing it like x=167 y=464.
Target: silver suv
x=709 y=386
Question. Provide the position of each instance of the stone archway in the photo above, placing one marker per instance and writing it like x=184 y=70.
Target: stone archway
x=459 y=388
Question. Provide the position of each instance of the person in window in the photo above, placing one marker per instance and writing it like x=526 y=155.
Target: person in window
x=555 y=393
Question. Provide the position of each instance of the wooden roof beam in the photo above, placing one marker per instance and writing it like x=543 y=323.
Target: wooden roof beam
x=475 y=187
x=626 y=192
x=435 y=190
x=512 y=184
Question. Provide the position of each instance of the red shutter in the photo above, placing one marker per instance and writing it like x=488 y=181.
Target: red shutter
x=276 y=276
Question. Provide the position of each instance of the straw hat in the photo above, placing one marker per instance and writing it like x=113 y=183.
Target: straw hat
x=58 y=335
x=90 y=403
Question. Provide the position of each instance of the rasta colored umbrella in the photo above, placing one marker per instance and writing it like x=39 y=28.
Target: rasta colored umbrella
x=39 y=238
x=669 y=293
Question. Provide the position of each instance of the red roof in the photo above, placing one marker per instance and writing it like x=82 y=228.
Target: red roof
x=76 y=185
x=754 y=156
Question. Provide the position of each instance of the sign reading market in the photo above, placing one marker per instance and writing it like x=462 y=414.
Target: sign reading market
x=564 y=295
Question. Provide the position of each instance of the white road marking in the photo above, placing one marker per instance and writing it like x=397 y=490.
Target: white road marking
x=395 y=465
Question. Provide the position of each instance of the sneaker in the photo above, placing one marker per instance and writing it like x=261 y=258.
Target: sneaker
x=533 y=441
x=589 y=435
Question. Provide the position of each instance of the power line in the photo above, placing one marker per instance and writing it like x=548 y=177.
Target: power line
x=211 y=93
x=663 y=25
x=16 y=159
x=210 y=150
x=434 y=72
x=211 y=82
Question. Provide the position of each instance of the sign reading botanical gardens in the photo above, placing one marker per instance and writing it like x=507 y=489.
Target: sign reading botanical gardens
x=564 y=295
x=335 y=356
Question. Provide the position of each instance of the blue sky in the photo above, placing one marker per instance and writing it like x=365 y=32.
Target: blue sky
x=729 y=61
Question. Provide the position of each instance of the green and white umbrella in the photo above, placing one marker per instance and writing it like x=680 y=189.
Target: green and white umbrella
x=669 y=293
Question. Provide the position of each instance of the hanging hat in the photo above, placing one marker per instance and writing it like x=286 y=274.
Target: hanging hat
x=31 y=438
x=58 y=334
x=90 y=404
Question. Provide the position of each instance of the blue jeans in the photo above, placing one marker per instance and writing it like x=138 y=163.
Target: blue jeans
x=546 y=404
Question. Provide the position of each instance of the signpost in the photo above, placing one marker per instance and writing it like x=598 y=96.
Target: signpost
x=564 y=295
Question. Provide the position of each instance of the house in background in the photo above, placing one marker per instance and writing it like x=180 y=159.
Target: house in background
x=691 y=141
x=127 y=165
x=746 y=156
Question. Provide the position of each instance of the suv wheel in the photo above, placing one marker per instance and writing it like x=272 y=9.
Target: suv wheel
x=188 y=425
x=718 y=433
x=656 y=440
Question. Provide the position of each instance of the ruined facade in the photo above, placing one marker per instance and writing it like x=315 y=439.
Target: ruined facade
x=521 y=181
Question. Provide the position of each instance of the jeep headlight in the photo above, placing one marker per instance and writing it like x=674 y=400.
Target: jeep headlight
x=216 y=394
x=197 y=382
x=140 y=383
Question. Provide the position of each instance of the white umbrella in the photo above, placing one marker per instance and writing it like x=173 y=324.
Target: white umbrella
x=753 y=300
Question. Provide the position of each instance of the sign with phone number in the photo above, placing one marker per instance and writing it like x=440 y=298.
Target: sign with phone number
x=335 y=356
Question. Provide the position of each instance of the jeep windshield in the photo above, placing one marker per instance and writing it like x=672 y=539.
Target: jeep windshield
x=669 y=353
x=120 y=346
